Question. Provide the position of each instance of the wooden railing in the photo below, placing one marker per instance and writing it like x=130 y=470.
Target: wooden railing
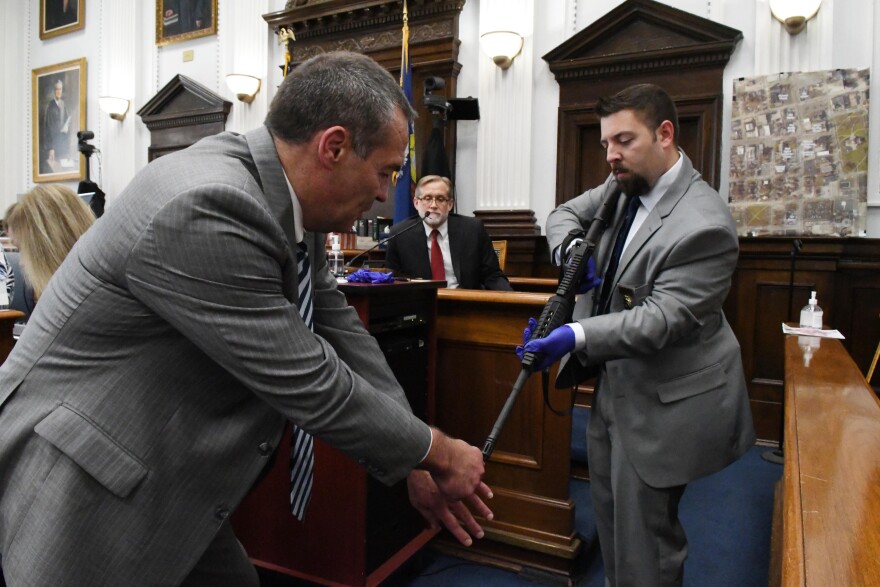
x=827 y=517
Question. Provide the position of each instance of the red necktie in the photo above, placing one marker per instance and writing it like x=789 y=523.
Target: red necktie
x=438 y=272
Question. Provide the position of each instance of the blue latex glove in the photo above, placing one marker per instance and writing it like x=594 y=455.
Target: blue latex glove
x=554 y=346
x=590 y=279
x=527 y=334
x=364 y=276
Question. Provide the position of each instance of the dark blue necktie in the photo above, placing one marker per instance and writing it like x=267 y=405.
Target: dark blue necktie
x=616 y=252
x=302 y=450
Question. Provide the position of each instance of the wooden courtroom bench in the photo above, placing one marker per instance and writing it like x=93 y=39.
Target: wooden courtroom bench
x=827 y=514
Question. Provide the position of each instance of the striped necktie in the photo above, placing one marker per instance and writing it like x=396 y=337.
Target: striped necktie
x=302 y=450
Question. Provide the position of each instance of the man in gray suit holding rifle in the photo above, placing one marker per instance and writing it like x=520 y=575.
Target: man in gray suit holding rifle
x=671 y=403
x=153 y=382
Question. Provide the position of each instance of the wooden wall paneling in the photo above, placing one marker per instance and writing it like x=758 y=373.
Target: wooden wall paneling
x=858 y=313
x=845 y=273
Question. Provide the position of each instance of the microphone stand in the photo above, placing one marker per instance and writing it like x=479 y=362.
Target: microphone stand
x=384 y=241
x=778 y=455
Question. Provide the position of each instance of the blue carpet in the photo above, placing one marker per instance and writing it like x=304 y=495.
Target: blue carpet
x=727 y=517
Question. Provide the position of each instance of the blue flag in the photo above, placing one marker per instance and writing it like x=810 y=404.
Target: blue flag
x=405 y=180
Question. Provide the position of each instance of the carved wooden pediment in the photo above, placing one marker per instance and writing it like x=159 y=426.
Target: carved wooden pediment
x=641 y=36
x=640 y=41
x=181 y=113
x=181 y=102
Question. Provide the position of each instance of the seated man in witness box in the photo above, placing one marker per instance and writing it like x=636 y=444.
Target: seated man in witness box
x=453 y=248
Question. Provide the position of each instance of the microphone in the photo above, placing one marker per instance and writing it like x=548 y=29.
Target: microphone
x=382 y=242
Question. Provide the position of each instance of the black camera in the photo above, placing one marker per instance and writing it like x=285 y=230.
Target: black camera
x=83 y=147
x=453 y=108
x=435 y=104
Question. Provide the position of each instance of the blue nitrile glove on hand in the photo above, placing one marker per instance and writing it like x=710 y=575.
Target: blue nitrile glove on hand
x=554 y=346
x=590 y=279
x=364 y=276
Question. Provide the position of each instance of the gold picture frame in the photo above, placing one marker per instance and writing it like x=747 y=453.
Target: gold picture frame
x=59 y=17
x=182 y=20
x=58 y=113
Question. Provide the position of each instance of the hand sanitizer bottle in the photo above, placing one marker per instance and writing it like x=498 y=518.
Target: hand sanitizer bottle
x=335 y=258
x=811 y=314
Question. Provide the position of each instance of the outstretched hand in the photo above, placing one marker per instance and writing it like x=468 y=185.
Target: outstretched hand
x=453 y=514
x=454 y=481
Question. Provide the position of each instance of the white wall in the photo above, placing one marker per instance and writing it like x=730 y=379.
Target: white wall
x=506 y=160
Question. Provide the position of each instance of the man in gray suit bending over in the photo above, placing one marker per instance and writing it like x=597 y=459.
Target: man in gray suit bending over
x=671 y=403
x=153 y=382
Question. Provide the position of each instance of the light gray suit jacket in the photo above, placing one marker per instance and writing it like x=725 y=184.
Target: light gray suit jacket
x=151 y=385
x=673 y=364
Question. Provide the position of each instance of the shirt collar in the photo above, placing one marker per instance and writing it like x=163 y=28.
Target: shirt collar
x=297 y=213
x=650 y=199
x=442 y=229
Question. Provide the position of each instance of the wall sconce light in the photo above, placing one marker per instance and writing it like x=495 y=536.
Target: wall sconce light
x=115 y=107
x=501 y=46
x=245 y=87
x=794 y=14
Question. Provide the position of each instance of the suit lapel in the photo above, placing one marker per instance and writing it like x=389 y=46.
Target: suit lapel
x=454 y=233
x=275 y=191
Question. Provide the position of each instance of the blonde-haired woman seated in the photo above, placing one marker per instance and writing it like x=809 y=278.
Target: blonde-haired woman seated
x=44 y=225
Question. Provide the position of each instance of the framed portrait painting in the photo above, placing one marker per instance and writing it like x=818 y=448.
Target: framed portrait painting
x=58 y=110
x=58 y=17
x=181 y=20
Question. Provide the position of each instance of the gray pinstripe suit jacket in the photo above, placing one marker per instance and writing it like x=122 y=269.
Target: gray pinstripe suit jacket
x=152 y=382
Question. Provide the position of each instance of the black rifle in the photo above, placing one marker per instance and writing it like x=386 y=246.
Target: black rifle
x=559 y=307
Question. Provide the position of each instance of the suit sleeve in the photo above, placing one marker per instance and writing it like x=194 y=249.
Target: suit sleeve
x=392 y=254
x=338 y=324
x=575 y=214
x=688 y=288
x=214 y=264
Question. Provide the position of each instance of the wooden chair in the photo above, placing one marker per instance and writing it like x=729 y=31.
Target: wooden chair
x=500 y=250
x=873 y=365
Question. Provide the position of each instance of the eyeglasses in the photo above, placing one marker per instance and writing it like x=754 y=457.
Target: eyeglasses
x=439 y=199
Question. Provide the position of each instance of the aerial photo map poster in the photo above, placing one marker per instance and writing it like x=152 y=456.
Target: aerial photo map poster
x=799 y=153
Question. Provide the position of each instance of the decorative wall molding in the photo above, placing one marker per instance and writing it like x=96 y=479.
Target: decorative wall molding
x=337 y=18
x=304 y=49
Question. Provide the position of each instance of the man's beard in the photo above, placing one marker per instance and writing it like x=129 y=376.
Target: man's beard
x=634 y=184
